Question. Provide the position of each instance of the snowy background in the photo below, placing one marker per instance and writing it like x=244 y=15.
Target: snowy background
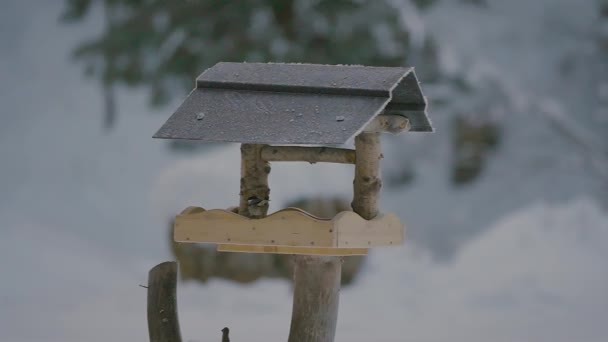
x=519 y=255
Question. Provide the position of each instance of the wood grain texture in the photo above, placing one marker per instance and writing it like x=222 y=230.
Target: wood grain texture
x=382 y=230
x=288 y=227
x=367 y=183
x=316 y=298
x=163 y=323
x=254 y=178
x=292 y=250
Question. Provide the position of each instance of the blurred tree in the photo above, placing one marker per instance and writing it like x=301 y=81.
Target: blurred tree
x=472 y=140
x=163 y=45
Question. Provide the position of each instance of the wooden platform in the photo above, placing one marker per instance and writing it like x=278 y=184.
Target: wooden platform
x=292 y=250
x=288 y=231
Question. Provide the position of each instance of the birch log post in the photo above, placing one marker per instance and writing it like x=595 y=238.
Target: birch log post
x=163 y=324
x=367 y=182
x=254 y=177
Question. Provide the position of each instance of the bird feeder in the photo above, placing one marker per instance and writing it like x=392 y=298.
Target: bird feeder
x=297 y=112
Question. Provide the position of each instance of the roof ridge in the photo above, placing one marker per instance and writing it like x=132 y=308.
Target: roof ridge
x=289 y=88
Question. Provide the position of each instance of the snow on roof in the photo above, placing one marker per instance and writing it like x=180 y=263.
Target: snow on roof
x=294 y=103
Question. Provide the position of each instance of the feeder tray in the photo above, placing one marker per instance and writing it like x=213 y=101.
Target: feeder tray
x=288 y=231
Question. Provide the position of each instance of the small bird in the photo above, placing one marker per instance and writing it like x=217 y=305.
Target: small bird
x=257 y=207
x=225 y=337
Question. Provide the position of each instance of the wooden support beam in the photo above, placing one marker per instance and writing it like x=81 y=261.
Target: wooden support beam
x=292 y=250
x=163 y=324
x=308 y=154
x=316 y=296
x=254 y=180
x=367 y=182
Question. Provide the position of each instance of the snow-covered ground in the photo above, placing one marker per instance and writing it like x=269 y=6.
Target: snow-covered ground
x=538 y=274
x=84 y=213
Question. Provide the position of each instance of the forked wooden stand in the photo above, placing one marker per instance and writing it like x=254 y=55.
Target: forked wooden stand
x=287 y=104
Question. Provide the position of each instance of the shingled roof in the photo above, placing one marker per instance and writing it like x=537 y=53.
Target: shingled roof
x=305 y=104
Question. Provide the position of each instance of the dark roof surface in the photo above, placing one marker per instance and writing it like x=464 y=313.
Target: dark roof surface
x=294 y=103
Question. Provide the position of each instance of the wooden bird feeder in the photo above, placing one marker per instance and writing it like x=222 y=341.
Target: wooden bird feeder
x=272 y=108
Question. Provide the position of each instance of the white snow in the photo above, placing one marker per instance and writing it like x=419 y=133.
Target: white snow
x=535 y=275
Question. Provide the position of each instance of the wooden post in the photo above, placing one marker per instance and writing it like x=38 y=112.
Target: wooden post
x=254 y=178
x=367 y=182
x=315 y=298
x=163 y=324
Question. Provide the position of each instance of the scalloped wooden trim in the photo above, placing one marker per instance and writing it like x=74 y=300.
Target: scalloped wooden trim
x=292 y=250
x=287 y=227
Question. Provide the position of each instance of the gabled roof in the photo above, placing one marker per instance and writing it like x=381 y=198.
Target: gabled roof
x=294 y=103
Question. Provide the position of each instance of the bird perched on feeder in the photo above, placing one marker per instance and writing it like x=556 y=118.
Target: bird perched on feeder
x=257 y=207
x=225 y=337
